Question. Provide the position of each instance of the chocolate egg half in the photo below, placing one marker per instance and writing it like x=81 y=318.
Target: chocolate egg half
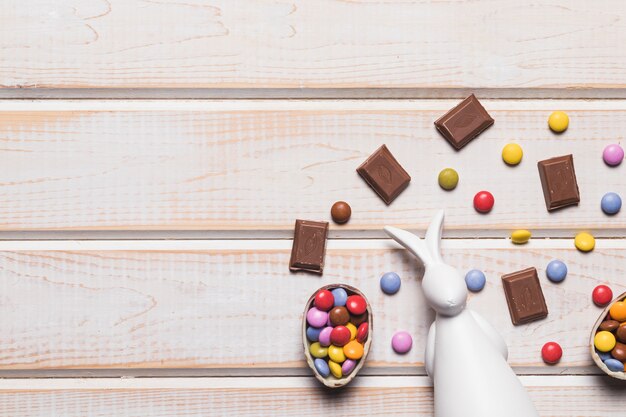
x=594 y=330
x=330 y=380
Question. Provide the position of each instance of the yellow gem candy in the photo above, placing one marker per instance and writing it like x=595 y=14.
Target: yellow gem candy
x=558 y=121
x=512 y=154
x=335 y=353
x=335 y=369
x=353 y=350
x=318 y=351
x=352 y=329
x=520 y=236
x=604 y=341
x=584 y=242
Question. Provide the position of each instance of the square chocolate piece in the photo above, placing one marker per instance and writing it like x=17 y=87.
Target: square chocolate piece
x=524 y=296
x=558 y=180
x=384 y=174
x=464 y=122
x=309 y=246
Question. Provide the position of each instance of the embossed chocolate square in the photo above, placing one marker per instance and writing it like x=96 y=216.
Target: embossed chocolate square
x=384 y=174
x=464 y=122
x=309 y=246
x=524 y=296
x=558 y=180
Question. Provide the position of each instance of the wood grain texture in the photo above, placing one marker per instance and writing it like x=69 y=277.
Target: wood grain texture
x=299 y=44
x=238 y=311
x=253 y=170
x=573 y=396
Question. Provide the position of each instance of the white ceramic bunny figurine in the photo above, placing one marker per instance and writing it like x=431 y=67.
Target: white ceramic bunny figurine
x=465 y=356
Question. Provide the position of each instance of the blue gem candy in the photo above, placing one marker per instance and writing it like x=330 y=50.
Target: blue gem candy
x=390 y=283
x=475 y=280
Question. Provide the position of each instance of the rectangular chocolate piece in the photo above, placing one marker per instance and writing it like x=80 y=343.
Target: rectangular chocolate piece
x=384 y=174
x=524 y=296
x=464 y=122
x=309 y=246
x=558 y=180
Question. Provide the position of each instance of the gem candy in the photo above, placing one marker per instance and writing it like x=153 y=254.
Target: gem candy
x=324 y=300
x=551 y=352
x=602 y=295
x=338 y=328
x=356 y=305
x=483 y=201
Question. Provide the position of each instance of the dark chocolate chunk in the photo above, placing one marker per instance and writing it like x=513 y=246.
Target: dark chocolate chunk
x=524 y=296
x=464 y=122
x=384 y=174
x=558 y=180
x=309 y=246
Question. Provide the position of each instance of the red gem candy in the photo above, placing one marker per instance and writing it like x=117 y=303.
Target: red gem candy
x=602 y=295
x=356 y=304
x=340 y=336
x=483 y=201
x=324 y=300
x=551 y=352
x=362 y=332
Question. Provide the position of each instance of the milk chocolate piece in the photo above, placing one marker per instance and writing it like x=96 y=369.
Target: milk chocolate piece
x=384 y=174
x=524 y=296
x=309 y=246
x=464 y=122
x=558 y=180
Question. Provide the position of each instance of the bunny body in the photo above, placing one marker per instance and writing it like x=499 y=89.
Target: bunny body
x=471 y=376
x=465 y=355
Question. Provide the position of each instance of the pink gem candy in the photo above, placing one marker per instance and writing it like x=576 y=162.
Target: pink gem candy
x=401 y=342
x=316 y=318
x=613 y=155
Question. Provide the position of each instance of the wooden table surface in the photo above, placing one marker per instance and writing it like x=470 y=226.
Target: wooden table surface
x=154 y=155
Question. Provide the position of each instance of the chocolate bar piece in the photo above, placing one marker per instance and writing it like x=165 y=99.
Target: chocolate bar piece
x=309 y=246
x=524 y=296
x=464 y=122
x=384 y=174
x=558 y=180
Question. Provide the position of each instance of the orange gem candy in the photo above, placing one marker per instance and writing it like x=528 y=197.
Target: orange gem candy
x=353 y=350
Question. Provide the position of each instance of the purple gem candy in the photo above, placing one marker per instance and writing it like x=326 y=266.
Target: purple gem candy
x=324 y=337
x=348 y=366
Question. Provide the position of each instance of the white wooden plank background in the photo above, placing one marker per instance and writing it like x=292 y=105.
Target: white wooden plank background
x=250 y=168
x=156 y=170
x=559 y=396
x=232 y=305
x=431 y=45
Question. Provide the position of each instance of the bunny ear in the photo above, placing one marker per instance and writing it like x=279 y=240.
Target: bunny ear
x=414 y=244
x=433 y=237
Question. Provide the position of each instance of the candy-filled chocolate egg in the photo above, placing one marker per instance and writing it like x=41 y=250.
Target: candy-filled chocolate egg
x=336 y=341
x=608 y=338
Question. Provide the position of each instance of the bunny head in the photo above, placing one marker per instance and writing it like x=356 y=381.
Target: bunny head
x=443 y=285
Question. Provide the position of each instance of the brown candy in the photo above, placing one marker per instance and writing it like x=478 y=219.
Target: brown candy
x=357 y=320
x=309 y=246
x=524 y=296
x=621 y=333
x=464 y=122
x=609 y=325
x=619 y=352
x=339 y=316
x=384 y=174
x=340 y=212
x=558 y=181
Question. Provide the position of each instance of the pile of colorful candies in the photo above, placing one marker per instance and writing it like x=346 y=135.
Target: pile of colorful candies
x=337 y=329
x=610 y=338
